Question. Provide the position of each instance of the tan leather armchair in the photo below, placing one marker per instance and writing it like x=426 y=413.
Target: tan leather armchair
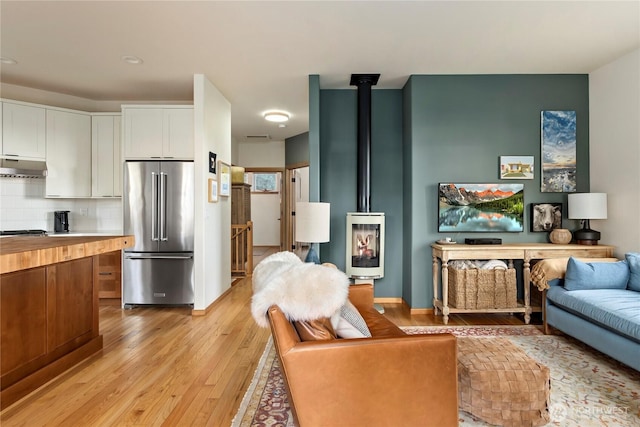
x=390 y=379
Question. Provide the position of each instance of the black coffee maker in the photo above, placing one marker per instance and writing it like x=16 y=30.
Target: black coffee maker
x=61 y=221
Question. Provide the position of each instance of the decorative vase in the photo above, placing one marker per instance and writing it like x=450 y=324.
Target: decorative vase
x=560 y=236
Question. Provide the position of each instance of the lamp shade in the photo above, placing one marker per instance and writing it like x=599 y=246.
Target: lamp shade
x=587 y=206
x=312 y=222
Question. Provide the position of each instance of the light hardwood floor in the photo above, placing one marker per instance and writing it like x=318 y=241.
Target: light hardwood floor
x=166 y=367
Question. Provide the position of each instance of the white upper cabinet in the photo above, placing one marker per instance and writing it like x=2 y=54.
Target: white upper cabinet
x=23 y=131
x=178 y=133
x=142 y=133
x=68 y=154
x=158 y=132
x=105 y=152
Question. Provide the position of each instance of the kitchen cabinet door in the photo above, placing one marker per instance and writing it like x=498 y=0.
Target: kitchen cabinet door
x=117 y=156
x=23 y=322
x=68 y=154
x=105 y=153
x=109 y=275
x=23 y=131
x=142 y=133
x=177 y=140
x=158 y=132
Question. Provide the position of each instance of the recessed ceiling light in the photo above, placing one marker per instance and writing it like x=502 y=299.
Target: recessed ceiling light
x=130 y=59
x=7 y=60
x=276 y=116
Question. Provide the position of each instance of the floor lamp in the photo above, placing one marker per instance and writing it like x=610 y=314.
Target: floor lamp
x=312 y=226
x=587 y=206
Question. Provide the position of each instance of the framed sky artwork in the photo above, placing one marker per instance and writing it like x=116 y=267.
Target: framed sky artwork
x=558 y=134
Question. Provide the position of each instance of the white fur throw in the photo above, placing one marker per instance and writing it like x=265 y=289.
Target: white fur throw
x=303 y=291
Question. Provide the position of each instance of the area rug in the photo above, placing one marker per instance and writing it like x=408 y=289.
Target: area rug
x=588 y=389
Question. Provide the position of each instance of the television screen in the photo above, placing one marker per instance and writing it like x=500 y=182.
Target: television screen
x=491 y=208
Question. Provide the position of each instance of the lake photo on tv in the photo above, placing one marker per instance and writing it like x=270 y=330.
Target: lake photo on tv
x=480 y=207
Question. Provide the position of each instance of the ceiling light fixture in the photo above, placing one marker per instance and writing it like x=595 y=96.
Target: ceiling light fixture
x=7 y=60
x=130 y=59
x=276 y=116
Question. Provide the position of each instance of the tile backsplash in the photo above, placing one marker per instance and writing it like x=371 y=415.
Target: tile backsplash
x=24 y=206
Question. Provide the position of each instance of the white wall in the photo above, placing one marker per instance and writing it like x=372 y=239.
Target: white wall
x=261 y=154
x=212 y=132
x=23 y=206
x=614 y=134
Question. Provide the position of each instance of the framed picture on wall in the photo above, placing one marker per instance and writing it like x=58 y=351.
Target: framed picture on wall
x=491 y=207
x=516 y=167
x=225 y=178
x=212 y=162
x=212 y=191
x=558 y=134
x=545 y=216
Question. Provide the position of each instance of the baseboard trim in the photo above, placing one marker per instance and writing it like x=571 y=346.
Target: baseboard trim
x=427 y=311
x=203 y=312
x=399 y=300
x=388 y=300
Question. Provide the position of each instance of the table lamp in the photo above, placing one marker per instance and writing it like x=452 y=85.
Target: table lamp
x=312 y=226
x=587 y=206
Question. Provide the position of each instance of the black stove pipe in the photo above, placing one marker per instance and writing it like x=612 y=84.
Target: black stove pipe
x=364 y=83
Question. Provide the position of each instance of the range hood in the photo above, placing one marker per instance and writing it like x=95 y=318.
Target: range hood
x=23 y=168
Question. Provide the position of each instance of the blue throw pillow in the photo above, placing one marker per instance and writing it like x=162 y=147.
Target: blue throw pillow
x=633 y=258
x=596 y=275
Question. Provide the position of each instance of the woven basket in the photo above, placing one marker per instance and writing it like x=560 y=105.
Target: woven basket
x=476 y=288
x=500 y=384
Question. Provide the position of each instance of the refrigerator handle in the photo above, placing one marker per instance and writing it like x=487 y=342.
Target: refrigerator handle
x=163 y=207
x=159 y=257
x=154 y=207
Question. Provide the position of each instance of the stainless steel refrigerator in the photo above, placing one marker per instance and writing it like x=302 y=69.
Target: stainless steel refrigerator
x=158 y=203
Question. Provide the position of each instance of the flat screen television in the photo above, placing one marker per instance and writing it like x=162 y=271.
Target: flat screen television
x=485 y=208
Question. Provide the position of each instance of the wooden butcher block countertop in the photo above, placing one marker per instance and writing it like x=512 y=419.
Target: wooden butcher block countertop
x=23 y=252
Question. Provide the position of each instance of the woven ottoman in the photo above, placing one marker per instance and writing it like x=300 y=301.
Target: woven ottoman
x=500 y=384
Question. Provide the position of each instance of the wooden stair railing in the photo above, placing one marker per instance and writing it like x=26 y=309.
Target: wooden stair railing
x=242 y=249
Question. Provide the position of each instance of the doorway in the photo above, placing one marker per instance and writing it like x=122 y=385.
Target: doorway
x=267 y=206
x=297 y=183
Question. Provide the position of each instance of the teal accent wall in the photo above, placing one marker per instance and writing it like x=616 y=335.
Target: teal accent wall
x=338 y=160
x=314 y=138
x=450 y=128
x=458 y=128
x=296 y=149
x=407 y=189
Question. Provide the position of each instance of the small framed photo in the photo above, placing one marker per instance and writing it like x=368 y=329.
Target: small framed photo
x=546 y=216
x=516 y=167
x=212 y=162
x=212 y=191
x=225 y=178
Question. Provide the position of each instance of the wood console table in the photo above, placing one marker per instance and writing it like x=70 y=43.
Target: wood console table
x=442 y=254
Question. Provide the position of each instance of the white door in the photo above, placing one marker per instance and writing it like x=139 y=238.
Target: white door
x=265 y=211
x=300 y=193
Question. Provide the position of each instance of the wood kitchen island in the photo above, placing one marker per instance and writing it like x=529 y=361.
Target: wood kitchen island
x=48 y=307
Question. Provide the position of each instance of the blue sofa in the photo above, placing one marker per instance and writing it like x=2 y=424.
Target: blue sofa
x=598 y=303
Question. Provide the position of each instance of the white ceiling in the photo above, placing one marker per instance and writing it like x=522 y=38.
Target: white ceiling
x=259 y=54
